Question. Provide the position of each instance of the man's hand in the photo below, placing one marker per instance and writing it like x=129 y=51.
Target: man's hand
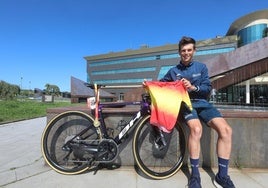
x=187 y=84
x=144 y=83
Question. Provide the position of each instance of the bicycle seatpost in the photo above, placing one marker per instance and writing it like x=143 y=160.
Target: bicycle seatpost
x=97 y=97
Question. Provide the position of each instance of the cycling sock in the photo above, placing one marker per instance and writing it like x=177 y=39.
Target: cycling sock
x=223 y=167
x=194 y=166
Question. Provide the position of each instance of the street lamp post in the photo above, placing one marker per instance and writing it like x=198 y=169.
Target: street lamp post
x=21 y=78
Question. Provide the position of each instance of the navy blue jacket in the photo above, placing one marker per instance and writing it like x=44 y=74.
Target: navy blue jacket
x=196 y=73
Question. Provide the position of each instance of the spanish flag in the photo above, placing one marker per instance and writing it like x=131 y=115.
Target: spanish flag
x=166 y=99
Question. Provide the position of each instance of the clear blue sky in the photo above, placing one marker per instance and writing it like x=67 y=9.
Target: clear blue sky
x=45 y=41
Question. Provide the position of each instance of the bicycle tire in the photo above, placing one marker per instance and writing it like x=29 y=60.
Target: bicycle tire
x=153 y=166
x=61 y=129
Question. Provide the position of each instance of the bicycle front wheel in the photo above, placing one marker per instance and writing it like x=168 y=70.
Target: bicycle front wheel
x=153 y=163
x=63 y=141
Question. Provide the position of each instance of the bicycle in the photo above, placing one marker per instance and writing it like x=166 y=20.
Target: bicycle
x=74 y=142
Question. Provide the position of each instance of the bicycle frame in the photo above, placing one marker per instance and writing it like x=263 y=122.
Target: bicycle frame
x=144 y=109
x=99 y=119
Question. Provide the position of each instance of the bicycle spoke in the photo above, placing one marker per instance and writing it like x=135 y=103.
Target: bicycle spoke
x=157 y=162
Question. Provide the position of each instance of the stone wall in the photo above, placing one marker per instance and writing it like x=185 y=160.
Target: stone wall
x=250 y=135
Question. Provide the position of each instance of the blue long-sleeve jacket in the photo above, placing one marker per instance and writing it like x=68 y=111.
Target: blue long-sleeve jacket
x=196 y=73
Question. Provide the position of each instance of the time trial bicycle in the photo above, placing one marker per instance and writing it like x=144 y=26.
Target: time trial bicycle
x=74 y=142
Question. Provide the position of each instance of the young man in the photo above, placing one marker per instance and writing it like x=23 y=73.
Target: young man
x=194 y=76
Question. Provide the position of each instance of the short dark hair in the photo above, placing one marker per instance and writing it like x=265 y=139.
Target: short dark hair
x=186 y=40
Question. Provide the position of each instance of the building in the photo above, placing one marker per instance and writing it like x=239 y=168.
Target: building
x=80 y=92
x=131 y=67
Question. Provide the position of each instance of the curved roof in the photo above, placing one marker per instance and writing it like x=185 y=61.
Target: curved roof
x=245 y=20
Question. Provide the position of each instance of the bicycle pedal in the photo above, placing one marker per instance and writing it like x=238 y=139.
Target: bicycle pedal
x=113 y=166
x=109 y=166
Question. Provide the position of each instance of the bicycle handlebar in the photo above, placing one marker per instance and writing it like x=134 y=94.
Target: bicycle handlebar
x=111 y=86
x=92 y=86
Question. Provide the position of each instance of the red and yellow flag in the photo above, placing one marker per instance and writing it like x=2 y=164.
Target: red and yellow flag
x=166 y=100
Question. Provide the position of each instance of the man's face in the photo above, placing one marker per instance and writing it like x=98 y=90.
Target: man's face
x=187 y=52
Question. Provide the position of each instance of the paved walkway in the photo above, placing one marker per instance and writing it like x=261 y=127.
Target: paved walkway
x=22 y=165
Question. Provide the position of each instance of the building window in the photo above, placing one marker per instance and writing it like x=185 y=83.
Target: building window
x=214 y=51
x=236 y=94
x=163 y=71
x=121 y=97
x=251 y=34
x=118 y=71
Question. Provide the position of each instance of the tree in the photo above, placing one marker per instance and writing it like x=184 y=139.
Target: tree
x=52 y=89
x=8 y=91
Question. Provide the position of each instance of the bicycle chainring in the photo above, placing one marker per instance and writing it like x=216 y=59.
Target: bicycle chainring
x=107 y=151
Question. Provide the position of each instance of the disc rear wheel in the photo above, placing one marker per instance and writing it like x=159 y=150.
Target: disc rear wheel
x=66 y=140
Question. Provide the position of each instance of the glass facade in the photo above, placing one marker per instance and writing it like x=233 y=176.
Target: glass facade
x=252 y=92
x=251 y=34
x=161 y=73
x=118 y=71
x=236 y=95
x=120 y=61
x=214 y=51
x=156 y=57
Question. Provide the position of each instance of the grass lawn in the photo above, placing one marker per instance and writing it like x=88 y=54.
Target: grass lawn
x=15 y=110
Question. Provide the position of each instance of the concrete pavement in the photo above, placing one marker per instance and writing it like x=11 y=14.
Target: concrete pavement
x=22 y=165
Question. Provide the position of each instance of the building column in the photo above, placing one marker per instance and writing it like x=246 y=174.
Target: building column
x=247 y=92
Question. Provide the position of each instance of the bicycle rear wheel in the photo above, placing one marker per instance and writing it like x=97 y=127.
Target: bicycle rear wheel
x=63 y=141
x=168 y=161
